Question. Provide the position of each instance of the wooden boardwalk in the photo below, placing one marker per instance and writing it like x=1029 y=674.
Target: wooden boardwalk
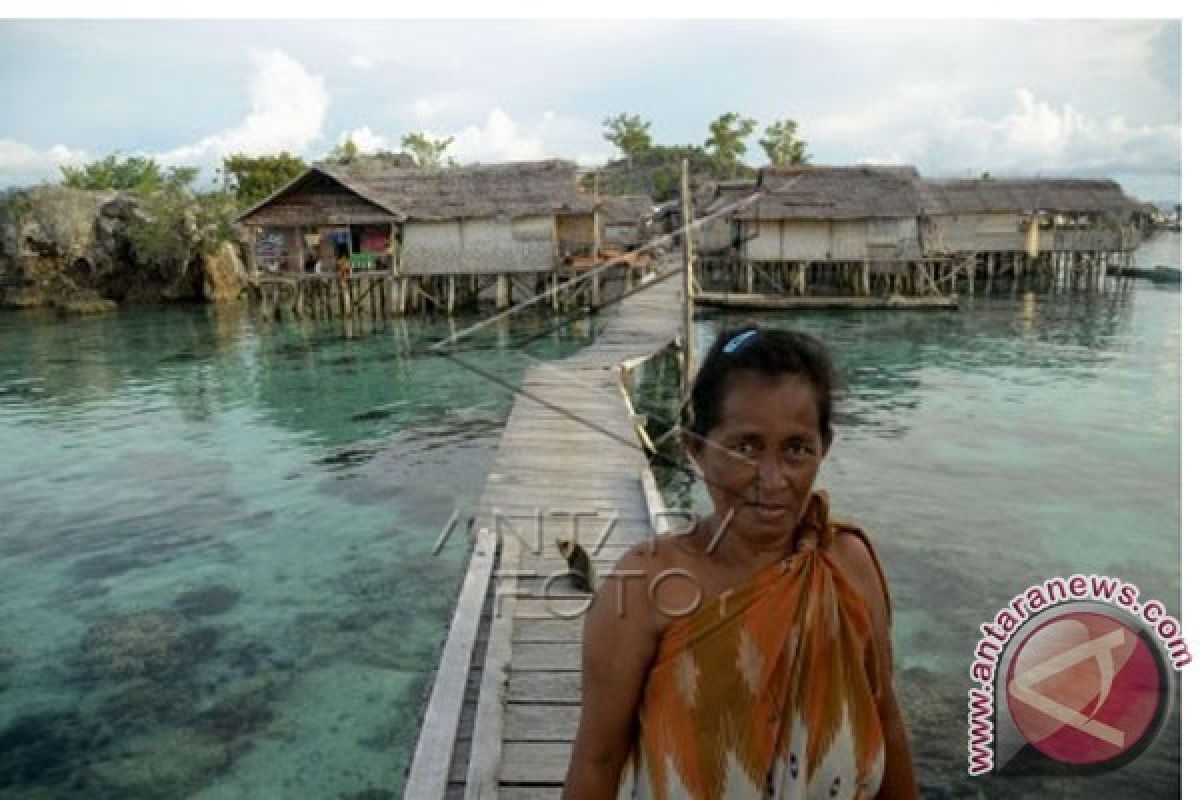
x=505 y=704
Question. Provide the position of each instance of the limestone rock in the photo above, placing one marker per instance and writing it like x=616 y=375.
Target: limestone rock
x=71 y=248
x=224 y=275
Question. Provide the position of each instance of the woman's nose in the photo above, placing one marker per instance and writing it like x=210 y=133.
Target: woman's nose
x=770 y=474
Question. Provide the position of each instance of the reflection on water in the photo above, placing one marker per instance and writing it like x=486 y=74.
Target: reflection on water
x=216 y=560
x=985 y=450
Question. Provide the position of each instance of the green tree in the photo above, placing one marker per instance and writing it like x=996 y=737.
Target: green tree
x=727 y=141
x=112 y=172
x=427 y=151
x=161 y=235
x=181 y=176
x=255 y=177
x=783 y=146
x=346 y=150
x=629 y=133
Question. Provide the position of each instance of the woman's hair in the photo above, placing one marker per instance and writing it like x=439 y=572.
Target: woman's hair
x=770 y=352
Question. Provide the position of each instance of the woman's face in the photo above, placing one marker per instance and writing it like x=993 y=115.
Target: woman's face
x=761 y=460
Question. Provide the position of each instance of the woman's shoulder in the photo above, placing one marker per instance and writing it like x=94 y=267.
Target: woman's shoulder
x=860 y=553
x=661 y=551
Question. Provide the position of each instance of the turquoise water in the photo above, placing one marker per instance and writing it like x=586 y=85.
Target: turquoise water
x=217 y=558
x=217 y=546
x=987 y=449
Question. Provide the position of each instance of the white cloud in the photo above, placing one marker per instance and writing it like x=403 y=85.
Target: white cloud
x=287 y=111
x=919 y=125
x=502 y=138
x=499 y=139
x=359 y=61
x=21 y=163
x=365 y=139
x=430 y=107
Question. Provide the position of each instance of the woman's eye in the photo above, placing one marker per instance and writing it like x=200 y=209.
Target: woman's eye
x=800 y=449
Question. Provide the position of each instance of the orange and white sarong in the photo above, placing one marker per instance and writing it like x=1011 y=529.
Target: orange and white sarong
x=767 y=691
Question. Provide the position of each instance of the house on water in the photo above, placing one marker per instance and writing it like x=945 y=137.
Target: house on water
x=871 y=230
x=625 y=221
x=446 y=234
x=822 y=227
x=1070 y=229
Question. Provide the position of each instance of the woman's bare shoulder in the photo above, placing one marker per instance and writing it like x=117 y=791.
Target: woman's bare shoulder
x=860 y=557
x=662 y=551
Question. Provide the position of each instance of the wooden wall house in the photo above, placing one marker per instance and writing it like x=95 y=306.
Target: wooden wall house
x=455 y=231
x=625 y=221
x=994 y=215
x=717 y=236
x=1062 y=227
x=317 y=217
x=828 y=228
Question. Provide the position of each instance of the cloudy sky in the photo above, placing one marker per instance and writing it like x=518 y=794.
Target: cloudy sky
x=952 y=98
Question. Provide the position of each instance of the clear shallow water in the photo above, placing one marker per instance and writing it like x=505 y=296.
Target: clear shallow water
x=987 y=449
x=217 y=546
x=216 y=538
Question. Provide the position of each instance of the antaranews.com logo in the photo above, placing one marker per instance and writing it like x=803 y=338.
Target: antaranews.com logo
x=1073 y=672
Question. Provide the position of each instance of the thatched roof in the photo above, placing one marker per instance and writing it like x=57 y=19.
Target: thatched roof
x=627 y=209
x=832 y=193
x=515 y=189
x=835 y=193
x=723 y=193
x=1066 y=195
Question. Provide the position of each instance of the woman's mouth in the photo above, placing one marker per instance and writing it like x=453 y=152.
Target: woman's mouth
x=768 y=513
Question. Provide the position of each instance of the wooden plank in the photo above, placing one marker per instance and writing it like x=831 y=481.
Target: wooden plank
x=430 y=766
x=547 y=631
x=553 y=609
x=531 y=792
x=545 y=687
x=540 y=723
x=534 y=762
x=743 y=300
x=542 y=657
x=486 y=756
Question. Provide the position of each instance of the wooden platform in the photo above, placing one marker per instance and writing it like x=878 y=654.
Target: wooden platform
x=505 y=703
x=742 y=300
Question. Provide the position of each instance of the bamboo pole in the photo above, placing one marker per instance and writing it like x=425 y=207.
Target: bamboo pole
x=685 y=207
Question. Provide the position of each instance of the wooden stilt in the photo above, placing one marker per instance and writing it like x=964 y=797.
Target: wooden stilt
x=502 y=291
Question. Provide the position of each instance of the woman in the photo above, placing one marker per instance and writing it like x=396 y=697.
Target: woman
x=748 y=655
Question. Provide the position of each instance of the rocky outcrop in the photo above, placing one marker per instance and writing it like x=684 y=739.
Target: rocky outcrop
x=86 y=251
x=224 y=274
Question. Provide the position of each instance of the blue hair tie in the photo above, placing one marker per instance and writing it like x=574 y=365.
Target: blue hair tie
x=733 y=344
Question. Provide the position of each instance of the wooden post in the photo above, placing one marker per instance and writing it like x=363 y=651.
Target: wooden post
x=502 y=291
x=685 y=207
x=595 y=217
x=252 y=256
x=392 y=246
